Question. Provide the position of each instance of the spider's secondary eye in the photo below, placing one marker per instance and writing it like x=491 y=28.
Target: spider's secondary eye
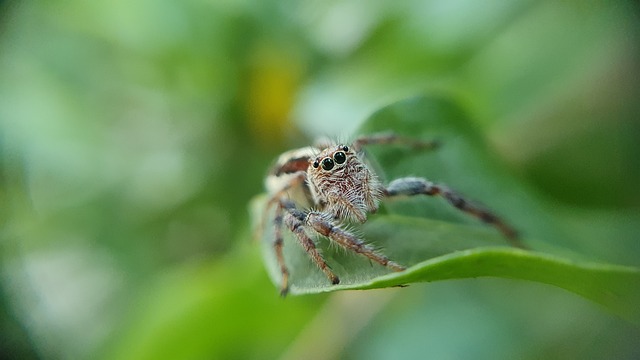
x=316 y=164
x=327 y=164
x=339 y=157
x=345 y=148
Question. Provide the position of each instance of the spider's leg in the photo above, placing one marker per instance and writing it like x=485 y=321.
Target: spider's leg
x=293 y=181
x=417 y=186
x=294 y=219
x=278 y=243
x=276 y=200
x=322 y=224
x=385 y=138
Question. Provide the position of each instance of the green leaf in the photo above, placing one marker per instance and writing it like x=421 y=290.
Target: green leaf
x=438 y=242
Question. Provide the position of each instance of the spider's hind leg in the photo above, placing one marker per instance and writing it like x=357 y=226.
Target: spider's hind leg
x=386 y=138
x=417 y=186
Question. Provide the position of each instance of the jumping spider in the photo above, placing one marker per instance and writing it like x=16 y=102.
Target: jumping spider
x=337 y=187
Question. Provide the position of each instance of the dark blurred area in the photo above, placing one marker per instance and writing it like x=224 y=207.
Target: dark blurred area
x=134 y=134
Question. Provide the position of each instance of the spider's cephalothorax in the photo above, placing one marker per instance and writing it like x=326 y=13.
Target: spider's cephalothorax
x=318 y=188
x=342 y=185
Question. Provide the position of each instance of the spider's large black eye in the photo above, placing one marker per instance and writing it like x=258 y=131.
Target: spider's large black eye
x=339 y=157
x=327 y=163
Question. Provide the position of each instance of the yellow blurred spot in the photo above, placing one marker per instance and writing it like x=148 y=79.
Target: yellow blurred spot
x=274 y=78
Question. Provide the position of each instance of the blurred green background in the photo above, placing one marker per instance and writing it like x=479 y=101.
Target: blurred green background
x=134 y=134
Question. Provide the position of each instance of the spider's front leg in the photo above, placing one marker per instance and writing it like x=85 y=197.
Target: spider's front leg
x=295 y=220
x=322 y=223
x=417 y=186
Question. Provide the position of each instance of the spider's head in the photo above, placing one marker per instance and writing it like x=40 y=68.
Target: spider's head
x=342 y=184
